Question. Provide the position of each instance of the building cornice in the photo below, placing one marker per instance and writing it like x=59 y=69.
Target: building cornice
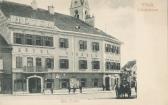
x=56 y=30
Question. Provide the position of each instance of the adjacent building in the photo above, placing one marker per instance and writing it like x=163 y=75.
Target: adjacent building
x=45 y=49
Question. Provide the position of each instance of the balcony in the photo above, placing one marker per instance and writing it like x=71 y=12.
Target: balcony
x=35 y=69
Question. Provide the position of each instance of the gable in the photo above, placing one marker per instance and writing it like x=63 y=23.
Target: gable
x=2 y=16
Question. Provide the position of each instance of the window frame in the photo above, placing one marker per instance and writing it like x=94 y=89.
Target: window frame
x=95 y=46
x=63 y=43
x=83 y=65
x=95 y=66
x=18 y=36
x=49 y=63
x=82 y=45
x=64 y=61
x=19 y=62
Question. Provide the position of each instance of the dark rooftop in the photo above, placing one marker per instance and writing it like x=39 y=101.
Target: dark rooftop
x=63 y=22
x=3 y=42
x=129 y=64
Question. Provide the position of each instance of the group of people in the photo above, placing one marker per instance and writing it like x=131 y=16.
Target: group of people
x=74 y=88
x=122 y=90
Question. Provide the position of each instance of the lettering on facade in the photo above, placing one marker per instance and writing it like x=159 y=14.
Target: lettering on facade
x=31 y=22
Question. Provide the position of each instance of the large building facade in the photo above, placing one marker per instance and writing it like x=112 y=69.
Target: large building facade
x=52 y=50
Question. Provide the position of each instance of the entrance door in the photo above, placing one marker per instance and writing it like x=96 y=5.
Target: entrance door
x=35 y=85
x=107 y=83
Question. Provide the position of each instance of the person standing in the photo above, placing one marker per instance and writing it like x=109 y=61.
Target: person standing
x=80 y=87
x=69 y=89
x=117 y=90
x=74 y=89
x=103 y=87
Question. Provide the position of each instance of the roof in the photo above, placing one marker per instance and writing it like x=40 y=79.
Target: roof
x=63 y=22
x=129 y=64
x=3 y=42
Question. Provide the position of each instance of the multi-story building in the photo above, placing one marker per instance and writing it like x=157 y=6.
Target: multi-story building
x=52 y=50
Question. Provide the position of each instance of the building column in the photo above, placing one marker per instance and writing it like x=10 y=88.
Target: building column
x=110 y=84
x=42 y=85
x=27 y=85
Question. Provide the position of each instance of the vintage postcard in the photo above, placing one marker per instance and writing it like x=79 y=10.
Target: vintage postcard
x=83 y=52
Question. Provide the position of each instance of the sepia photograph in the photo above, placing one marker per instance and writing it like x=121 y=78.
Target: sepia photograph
x=74 y=51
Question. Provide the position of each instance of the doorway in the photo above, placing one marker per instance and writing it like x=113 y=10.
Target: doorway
x=35 y=85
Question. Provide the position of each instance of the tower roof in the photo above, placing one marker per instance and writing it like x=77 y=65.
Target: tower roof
x=78 y=3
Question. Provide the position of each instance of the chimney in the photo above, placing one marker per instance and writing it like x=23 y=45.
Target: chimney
x=51 y=9
x=34 y=4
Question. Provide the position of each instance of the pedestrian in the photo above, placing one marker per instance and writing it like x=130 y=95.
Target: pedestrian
x=74 y=89
x=51 y=90
x=103 y=87
x=80 y=87
x=117 y=90
x=69 y=89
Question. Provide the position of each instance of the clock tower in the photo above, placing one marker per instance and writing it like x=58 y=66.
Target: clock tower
x=80 y=10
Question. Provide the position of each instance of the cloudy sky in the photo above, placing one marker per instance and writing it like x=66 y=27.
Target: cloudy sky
x=116 y=17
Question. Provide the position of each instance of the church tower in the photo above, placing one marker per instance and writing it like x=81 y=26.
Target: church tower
x=80 y=9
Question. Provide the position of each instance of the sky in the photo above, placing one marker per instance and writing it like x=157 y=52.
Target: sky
x=115 y=17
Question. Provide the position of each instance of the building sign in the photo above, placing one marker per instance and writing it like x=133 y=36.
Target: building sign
x=31 y=22
x=1 y=64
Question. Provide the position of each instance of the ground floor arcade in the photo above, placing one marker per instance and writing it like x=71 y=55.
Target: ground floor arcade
x=38 y=83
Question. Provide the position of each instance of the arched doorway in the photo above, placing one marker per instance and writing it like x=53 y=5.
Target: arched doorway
x=35 y=84
x=107 y=83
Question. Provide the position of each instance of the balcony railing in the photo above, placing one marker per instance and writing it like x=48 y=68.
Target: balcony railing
x=35 y=69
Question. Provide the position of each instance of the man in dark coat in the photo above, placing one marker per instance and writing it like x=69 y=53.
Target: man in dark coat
x=80 y=88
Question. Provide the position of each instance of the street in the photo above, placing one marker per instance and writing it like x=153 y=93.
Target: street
x=60 y=97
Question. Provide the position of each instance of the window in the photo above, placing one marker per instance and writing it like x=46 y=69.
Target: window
x=118 y=50
x=38 y=40
x=65 y=83
x=113 y=49
x=83 y=82
x=83 y=64
x=95 y=64
x=19 y=62
x=95 y=46
x=107 y=47
x=108 y=65
x=49 y=63
x=48 y=41
x=49 y=83
x=64 y=63
x=112 y=65
x=29 y=39
x=118 y=66
x=19 y=85
x=82 y=45
x=38 y=62
x=63 y=43
x=18 y=38
x=29 y=62
x=95 y=82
